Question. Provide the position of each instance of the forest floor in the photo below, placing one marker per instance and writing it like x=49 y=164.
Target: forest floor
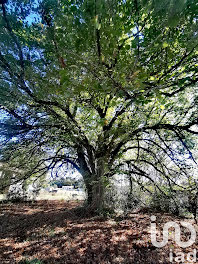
x=48 y=232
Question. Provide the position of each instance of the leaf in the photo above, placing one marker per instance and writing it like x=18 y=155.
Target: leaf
x=162 y=107
x=165 y=45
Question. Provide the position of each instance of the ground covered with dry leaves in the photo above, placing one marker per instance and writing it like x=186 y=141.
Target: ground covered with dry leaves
x=48 y=232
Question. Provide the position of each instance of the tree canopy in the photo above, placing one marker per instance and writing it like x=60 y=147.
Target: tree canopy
x=106 y=87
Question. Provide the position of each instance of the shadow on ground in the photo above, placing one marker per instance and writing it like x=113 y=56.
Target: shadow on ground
x=52 y=232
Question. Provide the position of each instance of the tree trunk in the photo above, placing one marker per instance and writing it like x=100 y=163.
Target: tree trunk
x=98 y=195
x=93 y=172
x=96 y=189
x=89 y=193
x=95 y=193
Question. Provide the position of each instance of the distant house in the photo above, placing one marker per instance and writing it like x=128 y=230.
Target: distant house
x=68 y=187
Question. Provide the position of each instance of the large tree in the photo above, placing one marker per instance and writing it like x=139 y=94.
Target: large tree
x=108 y=87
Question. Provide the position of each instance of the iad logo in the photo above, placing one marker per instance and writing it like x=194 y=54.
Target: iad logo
x=176 y=227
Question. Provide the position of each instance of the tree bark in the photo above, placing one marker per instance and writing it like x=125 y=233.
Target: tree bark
x=89 y=193
x=95 y=193
x=93 y=172
x=98 y=195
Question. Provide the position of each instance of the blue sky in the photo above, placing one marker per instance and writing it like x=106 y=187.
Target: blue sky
x=34 y=17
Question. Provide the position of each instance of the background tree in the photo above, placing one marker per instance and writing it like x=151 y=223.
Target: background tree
x=108 y=87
